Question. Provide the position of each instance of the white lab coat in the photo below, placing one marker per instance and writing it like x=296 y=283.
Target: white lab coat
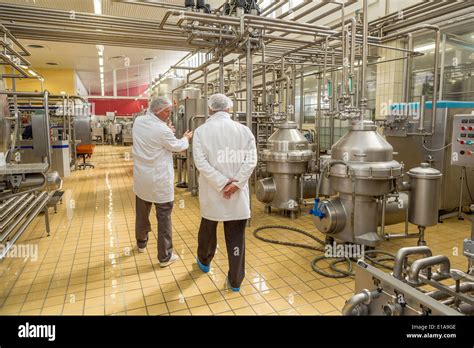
x=223 y=149
x=153 y=147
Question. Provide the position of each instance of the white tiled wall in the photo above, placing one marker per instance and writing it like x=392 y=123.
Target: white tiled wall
x=389 y=78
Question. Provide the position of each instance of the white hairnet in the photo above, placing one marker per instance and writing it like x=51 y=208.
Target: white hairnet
x=219 y=102
x=159 y=104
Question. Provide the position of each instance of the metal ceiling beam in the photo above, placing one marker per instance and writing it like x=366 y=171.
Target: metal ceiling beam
x=152 y=3
x=56 y=25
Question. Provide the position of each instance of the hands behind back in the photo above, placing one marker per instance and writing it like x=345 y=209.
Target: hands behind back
x=230 y=188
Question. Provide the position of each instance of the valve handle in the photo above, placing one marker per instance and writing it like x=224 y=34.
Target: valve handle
x=316 y=211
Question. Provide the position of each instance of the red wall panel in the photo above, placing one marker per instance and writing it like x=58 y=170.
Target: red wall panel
x=121 y=107
x=130 y=92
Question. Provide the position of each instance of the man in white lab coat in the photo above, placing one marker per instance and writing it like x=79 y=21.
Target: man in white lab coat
x=153 y=175
x=225 y=154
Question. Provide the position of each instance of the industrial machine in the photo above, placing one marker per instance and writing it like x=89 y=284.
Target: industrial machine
x=401 y=128
x=408 y=289
x=98 y=133
x=363 y=172
x=286 y=158
x=189 y=113
x=462 y=156
x=127 y=137
x=362 y=169
x=25 y=188
x=63 y=112
x=167 y=86
x=113 y=132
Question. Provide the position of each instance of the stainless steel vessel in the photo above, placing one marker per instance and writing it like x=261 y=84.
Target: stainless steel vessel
x=189 y=93
x=189 y=113
x=425 y=183
x=362 y=171
x=166 y=87
x=286 y=156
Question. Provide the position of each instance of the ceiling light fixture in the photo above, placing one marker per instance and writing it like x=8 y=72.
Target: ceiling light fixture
x=98 y=7
x=100 y=51
x=35 y=46
x=424 y=48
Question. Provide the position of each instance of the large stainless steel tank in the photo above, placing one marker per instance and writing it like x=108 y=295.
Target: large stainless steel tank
x=189 y=110
x=166 y=87
x=188 y=114
x=362 y=171
x=189 y=93
x=287 y=156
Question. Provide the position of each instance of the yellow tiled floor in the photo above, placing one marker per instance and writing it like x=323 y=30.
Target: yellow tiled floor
x=89 y=266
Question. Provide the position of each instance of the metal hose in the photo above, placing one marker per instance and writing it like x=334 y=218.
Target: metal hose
x=338 y=272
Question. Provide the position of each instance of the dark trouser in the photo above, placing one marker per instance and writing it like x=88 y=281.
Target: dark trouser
x=234 y=232
x=165 y=231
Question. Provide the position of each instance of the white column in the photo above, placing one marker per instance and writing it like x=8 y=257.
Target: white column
x=114 y=79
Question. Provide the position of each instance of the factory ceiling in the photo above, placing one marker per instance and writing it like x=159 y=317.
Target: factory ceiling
x=70 y=30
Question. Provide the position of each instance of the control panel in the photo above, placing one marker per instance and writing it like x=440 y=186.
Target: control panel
x=462 y=148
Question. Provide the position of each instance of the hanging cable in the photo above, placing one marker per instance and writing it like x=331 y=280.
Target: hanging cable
x=467 y=184
x=433 y=150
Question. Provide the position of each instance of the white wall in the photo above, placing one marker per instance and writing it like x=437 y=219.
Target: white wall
x=80 y=89
x=394 y=5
